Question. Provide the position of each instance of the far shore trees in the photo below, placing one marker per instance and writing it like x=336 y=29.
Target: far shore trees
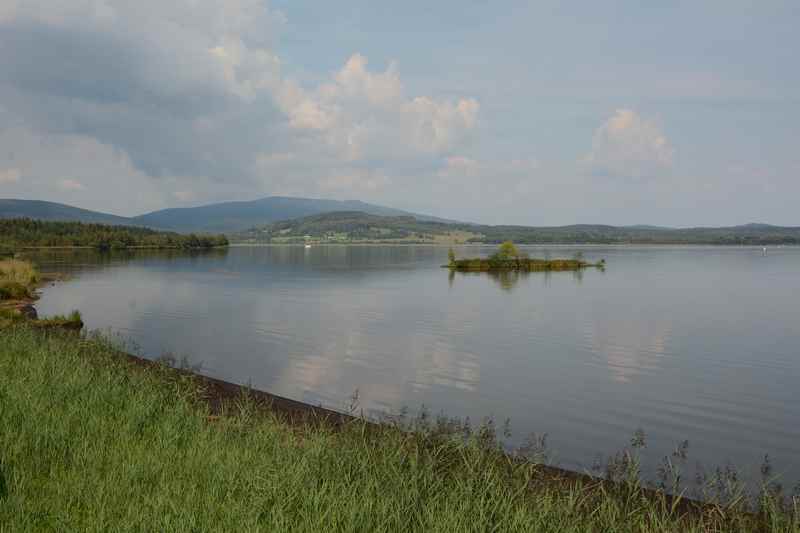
x=18 y=233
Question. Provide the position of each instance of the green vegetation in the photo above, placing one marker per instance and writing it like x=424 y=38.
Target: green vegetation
x=23 y=232
x=354 y=226
x=16 y=271
x=509 y=258
x=72 y=321
x=17 y=279
x=9 y=316
x=224 y=217
x=11 y=290
x=91 y=442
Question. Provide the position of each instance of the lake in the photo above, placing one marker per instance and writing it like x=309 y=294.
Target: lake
x=695 y=343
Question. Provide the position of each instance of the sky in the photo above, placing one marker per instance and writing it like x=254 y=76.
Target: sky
x=540 y=113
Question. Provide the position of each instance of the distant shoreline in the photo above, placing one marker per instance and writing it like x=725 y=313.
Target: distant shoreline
x=478 y=244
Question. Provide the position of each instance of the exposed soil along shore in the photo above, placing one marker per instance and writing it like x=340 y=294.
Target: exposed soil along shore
x=217 y=394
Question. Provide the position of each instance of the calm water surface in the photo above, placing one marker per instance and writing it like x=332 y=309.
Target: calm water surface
x=697 y=343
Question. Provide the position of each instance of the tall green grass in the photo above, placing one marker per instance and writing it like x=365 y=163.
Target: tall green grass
x=16 y=271
x=90 y=442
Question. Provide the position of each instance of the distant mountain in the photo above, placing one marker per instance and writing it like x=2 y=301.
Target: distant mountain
x=52 y=211
x=222 y=217
x=238 y=216
x=358 y=220
x=352 y=226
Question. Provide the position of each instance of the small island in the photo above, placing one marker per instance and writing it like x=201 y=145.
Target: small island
x=509 y=258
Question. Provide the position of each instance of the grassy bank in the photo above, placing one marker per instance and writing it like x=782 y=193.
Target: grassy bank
x=91 y=442
x=18 y=282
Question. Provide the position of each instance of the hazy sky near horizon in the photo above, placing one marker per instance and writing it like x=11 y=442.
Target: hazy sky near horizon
x=672 y=113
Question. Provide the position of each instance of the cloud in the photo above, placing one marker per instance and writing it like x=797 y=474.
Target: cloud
x=366 y=115
x=9 y=176
x=71 y=185
x=629 y=146
x=195 y=92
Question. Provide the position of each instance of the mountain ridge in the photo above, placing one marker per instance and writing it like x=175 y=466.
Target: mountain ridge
x=225 y=217
x=243 y=214
x=354 y=226
x=237 y=217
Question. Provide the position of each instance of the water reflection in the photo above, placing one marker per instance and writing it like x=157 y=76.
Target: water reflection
x=85 y=259
x=508 y=280
x=629 y=348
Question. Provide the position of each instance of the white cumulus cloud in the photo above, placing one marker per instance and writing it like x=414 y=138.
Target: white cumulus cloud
x=195 y=91
x=367 y=115
x=630 y=146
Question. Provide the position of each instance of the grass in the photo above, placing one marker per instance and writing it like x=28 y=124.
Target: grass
x=17 y=282
x=16 y=271
x=17 y=279
x=9 y=316
x=72 y=321
x=11 y=290
x=91 y=442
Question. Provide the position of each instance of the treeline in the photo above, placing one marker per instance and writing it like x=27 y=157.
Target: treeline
x=356 y=225
x=598 y=234
x=24 y=232
x=352 y=225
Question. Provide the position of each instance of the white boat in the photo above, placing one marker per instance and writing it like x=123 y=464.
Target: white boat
x=308 y=246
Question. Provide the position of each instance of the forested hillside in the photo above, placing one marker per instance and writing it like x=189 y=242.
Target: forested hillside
x=352 y=226
x=239 y=216
x=24 y=232
x=41 y=210
x=223 y=217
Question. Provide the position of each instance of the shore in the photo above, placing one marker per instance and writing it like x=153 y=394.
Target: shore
x=94 y=439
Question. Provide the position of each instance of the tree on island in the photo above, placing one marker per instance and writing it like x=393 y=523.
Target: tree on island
x=451 y=256
x=507 y=253
x=507 y=250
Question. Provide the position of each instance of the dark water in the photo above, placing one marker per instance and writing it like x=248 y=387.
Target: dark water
x=697 y=343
